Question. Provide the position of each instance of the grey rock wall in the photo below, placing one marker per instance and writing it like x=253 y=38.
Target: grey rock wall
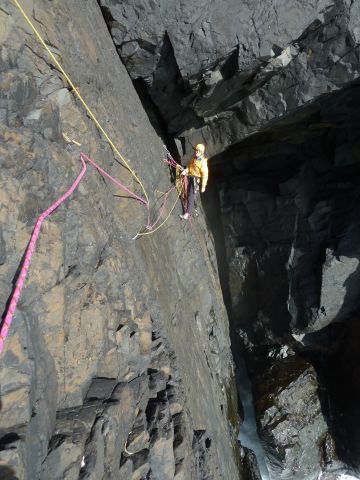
x=118 y=361
x=221 y=70
x=224 y=71
x=289 y=200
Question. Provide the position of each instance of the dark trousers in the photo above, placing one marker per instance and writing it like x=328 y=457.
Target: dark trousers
x=191 y=192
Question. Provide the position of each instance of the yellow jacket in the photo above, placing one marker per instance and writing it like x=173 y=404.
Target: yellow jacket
x=198 y=167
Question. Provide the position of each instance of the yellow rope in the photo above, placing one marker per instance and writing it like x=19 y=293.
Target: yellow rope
x=161 y=224
x=91 y=114
x=93 y=117
x=70 y=140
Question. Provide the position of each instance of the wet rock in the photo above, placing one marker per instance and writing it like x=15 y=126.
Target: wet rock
x=292 y=423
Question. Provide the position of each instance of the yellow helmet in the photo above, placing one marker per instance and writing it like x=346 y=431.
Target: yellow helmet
x=200 y=148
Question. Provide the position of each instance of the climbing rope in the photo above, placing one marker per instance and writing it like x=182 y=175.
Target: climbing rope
x=140 y=234
x=15 y=296
x=151 y=226
x=99 y=126
x=35 y=235
x=180 y=188
x=28 y=255
x=119 y=184
x=78 y=94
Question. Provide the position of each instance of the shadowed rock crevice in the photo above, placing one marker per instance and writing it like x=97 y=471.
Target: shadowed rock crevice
x=334 y=353
x=289 y=200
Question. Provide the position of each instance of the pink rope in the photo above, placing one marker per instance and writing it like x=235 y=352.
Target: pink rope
x=151 y=226
x=28 y=255
x=119 y=184
x=5 y=327
x=183 y=180
x=170 y=161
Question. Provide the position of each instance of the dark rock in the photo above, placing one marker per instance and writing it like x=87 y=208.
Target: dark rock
x=284 y=222
x=66 y=447
x=108 y=330
x=2 y=248
x=199 y=33
x=7 y=473
x=288 y=196
x=251 y=465
x=335 y=356
x=221 y=80
x=100 y=389
x=289 y=201
x=289 y=412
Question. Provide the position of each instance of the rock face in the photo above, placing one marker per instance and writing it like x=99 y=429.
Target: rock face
x=293 y=203
x=288 y=196
x=292 y=425
x=221 y=70
x=289 y=200
x=118 y=363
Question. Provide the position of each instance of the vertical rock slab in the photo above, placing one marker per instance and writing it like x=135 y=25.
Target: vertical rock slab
x=98 y=377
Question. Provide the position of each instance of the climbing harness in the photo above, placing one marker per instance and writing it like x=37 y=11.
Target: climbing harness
x=181 y=182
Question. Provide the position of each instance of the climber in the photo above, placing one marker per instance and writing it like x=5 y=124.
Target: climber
x=196 y=170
